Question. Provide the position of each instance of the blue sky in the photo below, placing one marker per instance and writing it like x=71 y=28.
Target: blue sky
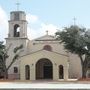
x=45 y=15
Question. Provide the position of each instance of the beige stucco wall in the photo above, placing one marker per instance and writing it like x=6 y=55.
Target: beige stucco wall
x=12 y=43
x=32 y=59
x=75 y=69
x=38 y=45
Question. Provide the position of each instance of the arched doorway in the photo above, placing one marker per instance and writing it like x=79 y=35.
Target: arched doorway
x=44 y=69
x=27 y=72
x=61 y=72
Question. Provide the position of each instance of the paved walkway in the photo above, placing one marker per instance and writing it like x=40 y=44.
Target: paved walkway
x=45 y=84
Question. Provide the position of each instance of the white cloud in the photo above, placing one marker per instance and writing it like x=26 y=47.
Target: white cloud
x=31 y=18
x=49 y=27
x=3 y=24
x=36 y=28
x=34 y=33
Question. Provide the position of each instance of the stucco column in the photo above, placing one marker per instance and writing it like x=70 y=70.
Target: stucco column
x=55 y=72
x=22 y=72
x=65 y=72
x=32 y=72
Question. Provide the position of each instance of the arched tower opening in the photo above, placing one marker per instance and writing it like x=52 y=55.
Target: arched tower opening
x=16 y=30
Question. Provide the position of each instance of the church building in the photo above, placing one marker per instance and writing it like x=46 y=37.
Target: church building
x=40 y=58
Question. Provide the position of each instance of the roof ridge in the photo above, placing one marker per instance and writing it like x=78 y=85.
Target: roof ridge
x=43 y=37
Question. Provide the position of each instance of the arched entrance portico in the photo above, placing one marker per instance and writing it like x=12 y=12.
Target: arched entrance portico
x=44 y=69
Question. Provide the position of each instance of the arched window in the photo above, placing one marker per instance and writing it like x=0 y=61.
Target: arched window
x=27 y=72
x=61 y=72
x=16 y=30
x=47 y=47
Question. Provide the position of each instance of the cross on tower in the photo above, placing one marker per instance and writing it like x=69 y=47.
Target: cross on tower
x=74 y=19
x=17 y=4
x=47 y=32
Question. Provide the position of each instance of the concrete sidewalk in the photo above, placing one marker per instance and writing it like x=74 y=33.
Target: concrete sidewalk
x=31 y=86
x=45 y=84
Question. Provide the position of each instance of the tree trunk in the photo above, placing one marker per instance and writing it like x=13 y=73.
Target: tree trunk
x=83 y=67
x=83 y=71
x=6 y=74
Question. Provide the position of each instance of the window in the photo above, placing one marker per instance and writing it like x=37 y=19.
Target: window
x=27 y=72
x=61 y=72
x=15 y=70
x=16 y=30
x=47 y=47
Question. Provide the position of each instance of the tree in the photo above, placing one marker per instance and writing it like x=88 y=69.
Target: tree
x=2 y=47
x=3 y=57
x=77 y=40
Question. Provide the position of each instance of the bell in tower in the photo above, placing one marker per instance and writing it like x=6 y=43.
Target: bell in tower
x=17 y=24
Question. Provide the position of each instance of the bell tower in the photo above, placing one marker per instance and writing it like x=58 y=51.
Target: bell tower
x=17 y=25
x=17 y=35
